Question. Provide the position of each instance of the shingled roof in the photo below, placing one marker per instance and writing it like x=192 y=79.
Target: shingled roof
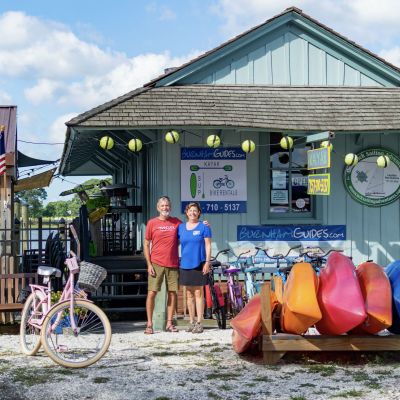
x=283 y=108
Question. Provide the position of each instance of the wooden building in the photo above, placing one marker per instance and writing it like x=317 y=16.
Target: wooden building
x=293 y=76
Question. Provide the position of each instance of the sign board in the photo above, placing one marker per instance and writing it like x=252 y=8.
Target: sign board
x=370 y=185
x=319 y=184
x=215 y=178
x=319 y=158
x=291 y=233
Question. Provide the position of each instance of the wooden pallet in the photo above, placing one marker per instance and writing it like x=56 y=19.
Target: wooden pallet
x=275 y=345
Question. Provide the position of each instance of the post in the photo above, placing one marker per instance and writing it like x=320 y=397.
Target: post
x=160 y=308
x=24 y=227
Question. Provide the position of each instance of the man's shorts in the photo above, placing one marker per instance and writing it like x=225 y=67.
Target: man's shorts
x=171 y=279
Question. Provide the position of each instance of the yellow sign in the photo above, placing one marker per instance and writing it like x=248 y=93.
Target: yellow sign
x=319 y=184
x=319 y=158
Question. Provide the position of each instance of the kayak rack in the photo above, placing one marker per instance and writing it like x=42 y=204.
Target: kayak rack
x=275 y=345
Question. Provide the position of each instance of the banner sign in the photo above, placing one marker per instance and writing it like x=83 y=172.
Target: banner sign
x=319 y=158
x=291 y=233
x=319 y=184
x=216 y=178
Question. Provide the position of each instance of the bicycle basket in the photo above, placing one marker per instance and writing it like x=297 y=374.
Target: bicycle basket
x=91 y=276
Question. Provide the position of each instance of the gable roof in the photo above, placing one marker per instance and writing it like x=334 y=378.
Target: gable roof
x=173 y=75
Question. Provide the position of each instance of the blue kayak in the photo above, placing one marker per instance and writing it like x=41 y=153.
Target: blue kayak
x=393 y=273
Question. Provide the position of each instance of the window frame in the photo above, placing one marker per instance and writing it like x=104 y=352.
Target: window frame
x=268 y=218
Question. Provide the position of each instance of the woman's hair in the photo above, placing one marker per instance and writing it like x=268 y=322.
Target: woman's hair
x=193 y=204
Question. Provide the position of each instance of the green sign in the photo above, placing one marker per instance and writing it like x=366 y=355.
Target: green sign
x=370 y=185
x=319 y=184
x=319 y=158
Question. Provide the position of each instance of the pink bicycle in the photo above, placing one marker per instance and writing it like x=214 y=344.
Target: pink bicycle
x=74 y=332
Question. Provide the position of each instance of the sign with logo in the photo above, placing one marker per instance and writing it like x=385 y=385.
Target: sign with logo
x=216 y=178
x=370 y=185
x=291 y=233
x=319 y=184
x=319 y=158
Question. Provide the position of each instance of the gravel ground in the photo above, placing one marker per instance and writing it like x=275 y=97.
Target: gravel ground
x=187 y=366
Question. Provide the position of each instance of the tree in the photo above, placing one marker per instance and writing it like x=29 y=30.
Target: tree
x=34 y=199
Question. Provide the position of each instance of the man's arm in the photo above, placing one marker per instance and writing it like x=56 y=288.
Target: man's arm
x=146 y=252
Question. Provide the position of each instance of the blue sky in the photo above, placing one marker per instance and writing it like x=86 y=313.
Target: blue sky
x=61 y=58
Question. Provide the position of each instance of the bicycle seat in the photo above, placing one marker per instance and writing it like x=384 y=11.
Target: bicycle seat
x=252 y=269
x=48 y=271
x=232 y=270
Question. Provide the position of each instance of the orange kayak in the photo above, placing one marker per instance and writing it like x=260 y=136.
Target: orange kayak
x=300 y=309
x=278 y=288
x=247 y=324
x=377 y=294
x=339 y=297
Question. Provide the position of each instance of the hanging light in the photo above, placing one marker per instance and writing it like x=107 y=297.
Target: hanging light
x=248 y=146
x=213 y=141
x=172 y=137
x=135 y=145
x=106 y=142
x=383 y=161
x=286 y=142
x=351 y=159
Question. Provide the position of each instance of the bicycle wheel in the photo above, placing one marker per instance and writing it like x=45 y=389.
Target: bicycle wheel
x=29 y=336
x=76 y=349
x=220 y=315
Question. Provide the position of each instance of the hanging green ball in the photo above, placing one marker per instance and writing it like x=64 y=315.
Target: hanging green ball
x=286 y=142
x=383 y=161
x=135 y=145
x=248 y=146
x=351 y=159
x=106 y=142
x=213 y=141
x=327 y=143
x=172 y=137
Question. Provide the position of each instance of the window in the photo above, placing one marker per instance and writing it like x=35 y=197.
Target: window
x=286 y=178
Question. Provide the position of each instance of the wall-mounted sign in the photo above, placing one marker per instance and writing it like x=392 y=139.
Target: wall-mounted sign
x=216 y=178
x=319 y=184
x=370 y=185
x=291 y=233
x=319 y=158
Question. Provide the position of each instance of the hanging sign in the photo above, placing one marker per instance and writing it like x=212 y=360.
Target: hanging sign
x=319 y=158
x=216 y=178
x=370 y=185
x=319 y=184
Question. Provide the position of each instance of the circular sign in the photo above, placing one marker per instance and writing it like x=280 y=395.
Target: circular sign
x=370 y=185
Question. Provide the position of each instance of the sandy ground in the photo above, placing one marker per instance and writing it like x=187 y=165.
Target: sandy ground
x=188 y=366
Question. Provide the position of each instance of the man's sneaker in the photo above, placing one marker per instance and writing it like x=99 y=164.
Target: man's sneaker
x=198 y=328
x=190 y=327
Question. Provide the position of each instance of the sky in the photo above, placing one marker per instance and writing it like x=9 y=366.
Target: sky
x=61 y=58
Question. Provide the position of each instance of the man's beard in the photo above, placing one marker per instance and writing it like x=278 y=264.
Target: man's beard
x=164 y=213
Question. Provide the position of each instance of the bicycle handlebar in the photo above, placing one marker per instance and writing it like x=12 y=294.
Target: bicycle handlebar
x=318 y=256
x=278 y=256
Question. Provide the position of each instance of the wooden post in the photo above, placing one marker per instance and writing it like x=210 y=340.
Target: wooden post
x=160 y=308
x=24 y=227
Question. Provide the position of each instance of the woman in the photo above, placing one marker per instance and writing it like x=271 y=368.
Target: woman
x=195 y=239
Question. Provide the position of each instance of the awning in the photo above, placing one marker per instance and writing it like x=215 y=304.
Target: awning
x=35 y=181
x=26 y=161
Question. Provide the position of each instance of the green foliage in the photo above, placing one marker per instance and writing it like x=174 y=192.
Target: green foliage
x=34 y=199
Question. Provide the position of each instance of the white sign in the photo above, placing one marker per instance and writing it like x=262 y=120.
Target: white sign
x=216 y=178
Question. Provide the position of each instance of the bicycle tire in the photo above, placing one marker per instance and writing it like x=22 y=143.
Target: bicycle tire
x=91 y=322
x=220 y=315
x=29 y=336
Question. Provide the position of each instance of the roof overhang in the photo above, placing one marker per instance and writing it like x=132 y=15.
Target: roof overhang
x=34 y=182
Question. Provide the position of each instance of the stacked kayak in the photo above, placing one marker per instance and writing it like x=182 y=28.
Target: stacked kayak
x=339 y=297
x=300 y=308
x=393 y=273
x=377 y=294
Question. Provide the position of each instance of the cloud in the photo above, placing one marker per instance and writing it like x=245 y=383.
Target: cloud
x=5 y=98
x=163 y=13
x=35 y=48
x=58 y=128
x=392 y=55
x=44 y=90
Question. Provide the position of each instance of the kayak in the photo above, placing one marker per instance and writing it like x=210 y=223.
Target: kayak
x=339 y=297
x=247 y=324
x=377 y=294
x=278 y=288
x=393 y=273
x=300 y=308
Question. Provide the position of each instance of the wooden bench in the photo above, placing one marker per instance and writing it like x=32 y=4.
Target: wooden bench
x=10 y=289
x=275 y=345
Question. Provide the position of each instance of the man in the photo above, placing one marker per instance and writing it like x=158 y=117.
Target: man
x=162 y=260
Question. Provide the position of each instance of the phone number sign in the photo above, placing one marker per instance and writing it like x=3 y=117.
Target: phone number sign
x=215 y=178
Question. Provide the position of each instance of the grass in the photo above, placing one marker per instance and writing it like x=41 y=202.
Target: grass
x=222 y=375
x=101 y=379
x=350 y=393
x=323 y=370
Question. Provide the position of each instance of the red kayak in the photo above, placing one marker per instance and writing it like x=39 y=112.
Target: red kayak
x=377 y=293
x=339 y=297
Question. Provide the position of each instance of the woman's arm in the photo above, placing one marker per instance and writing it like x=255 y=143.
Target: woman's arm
x=206 y=267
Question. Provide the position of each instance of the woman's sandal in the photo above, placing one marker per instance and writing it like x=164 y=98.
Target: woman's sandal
x=171 y=327
x=149 y=330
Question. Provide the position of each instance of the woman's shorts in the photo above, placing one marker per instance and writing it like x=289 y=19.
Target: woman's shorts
x=192 y=277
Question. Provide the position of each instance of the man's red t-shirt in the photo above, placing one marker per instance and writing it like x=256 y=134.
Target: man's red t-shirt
x=164 y=241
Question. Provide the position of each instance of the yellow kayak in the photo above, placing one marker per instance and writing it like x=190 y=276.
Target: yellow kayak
x=300 y=309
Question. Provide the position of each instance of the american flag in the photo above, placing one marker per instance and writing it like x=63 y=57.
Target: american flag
x=2 y=150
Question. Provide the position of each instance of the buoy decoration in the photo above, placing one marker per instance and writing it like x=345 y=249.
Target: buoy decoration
x=135 y=145
x=248 y=146
x=351 y=159
x=327 y=143
x=213 y=141
x=172 y=137
x=286 y=142
x=383 y=161
x=106 y=142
